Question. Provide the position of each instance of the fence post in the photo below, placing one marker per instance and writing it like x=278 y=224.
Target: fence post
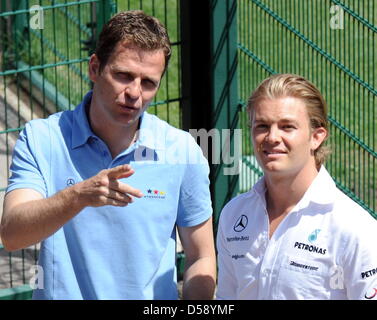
x=104 y=10
x=18 y=30
x=209 y=81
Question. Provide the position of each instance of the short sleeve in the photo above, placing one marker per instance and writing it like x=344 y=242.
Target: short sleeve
x=25 y=172
x=194 y=205
x=360 y=262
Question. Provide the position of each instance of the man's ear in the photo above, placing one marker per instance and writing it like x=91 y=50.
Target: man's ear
x=93 y=67
x=318 y=136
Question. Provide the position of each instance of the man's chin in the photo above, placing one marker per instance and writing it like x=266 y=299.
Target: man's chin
x=274 y=169
x=272 y=165
x=127 y=120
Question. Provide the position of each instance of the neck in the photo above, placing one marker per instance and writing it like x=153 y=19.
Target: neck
x=283 y=193
x=118 y=137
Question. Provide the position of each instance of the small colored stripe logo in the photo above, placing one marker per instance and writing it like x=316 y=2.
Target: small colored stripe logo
x=155 y=194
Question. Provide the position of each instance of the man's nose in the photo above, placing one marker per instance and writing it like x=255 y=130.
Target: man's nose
x=273 y=135
x=133 y=89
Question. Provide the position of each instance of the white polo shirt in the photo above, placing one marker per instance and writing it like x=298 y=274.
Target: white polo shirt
x=325 y=248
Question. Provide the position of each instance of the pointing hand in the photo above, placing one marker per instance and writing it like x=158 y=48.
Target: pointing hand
x=106 y=189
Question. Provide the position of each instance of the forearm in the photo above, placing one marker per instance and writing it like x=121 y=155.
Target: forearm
x=200 y=279
x=30 y=222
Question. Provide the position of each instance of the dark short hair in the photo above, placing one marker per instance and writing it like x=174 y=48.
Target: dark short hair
x=136 y=29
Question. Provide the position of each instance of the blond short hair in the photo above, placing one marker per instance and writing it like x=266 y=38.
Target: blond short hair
x=295 y=86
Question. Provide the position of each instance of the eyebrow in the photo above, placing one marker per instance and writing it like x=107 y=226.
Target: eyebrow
x=284 y=120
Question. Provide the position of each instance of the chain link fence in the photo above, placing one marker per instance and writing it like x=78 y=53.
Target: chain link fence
x=333 y=44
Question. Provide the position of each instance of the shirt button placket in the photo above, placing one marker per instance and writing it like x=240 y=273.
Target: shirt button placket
x=267 y=265
x=266 y=272
x=102 y=153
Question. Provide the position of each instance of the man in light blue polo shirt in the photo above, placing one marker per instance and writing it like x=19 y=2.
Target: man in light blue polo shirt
x=104 y=186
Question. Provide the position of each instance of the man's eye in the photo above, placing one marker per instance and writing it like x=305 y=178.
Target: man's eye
x=123 y=75
x=149 y=84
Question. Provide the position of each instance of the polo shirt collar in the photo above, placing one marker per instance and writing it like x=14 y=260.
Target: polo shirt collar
x=320 y=191
x=81 y=130
x=151 y=134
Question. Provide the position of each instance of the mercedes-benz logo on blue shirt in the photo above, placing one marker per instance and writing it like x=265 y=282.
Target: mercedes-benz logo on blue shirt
x=70 y=182
x=240 y=224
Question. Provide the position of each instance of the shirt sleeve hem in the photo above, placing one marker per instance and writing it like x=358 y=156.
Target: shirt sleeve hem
x=196 y=220
x=26 y=186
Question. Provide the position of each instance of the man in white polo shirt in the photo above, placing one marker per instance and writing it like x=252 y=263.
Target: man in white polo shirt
x=294 y=235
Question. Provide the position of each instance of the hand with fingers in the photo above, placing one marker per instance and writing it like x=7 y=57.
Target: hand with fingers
x=106 y=189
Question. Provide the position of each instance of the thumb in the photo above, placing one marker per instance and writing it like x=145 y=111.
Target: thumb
x=122 y=171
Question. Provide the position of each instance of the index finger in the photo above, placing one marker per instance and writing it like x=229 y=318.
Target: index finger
x=125 y=189
x=122 y=171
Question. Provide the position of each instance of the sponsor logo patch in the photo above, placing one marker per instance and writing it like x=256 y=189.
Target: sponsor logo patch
x=309 y=247
x=242 y=238
x=371 y=294
x=155 y=194
x=238 y=256
x=302 y=266
x=313 y=236
x=369 y=273
x=241 y=223
x=70 y=182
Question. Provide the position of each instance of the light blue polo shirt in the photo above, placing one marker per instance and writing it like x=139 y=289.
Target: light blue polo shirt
x=111 y=252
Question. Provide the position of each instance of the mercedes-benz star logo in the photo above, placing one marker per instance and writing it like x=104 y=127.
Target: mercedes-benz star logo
x=240 y=224
x=70 y=182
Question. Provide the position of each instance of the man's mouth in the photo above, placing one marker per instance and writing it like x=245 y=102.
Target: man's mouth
x=273 y=152
x=127 y=107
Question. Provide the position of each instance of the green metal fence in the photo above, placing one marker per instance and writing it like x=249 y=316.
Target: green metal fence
x=44 y=52
x=333 y=44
